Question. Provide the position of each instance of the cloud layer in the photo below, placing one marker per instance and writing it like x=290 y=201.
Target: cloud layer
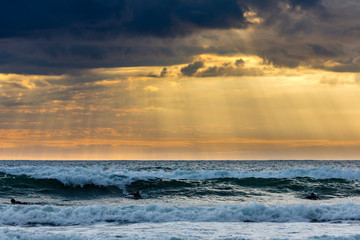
x=172 y=79
x=59 y=37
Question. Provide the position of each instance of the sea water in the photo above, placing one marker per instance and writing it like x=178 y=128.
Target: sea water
x=180 y=200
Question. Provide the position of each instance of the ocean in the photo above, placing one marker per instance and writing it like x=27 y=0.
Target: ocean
x=180 y=200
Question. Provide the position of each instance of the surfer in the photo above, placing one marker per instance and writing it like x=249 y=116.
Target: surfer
x=13 y=201
x=313 y=196
x=136 y=195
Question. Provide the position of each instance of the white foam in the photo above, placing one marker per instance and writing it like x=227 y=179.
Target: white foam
x=80 y=176
x=255 y=212
x=186 y=230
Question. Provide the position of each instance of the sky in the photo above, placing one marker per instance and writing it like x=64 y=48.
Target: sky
x=179 y=79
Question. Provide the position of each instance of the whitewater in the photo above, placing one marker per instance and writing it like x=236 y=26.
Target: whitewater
x=181 y=200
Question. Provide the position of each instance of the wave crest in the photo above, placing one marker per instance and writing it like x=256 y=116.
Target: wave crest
x=80 y=176
x=86 y=215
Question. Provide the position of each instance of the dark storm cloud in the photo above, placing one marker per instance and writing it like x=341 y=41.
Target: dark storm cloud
x=192 y=68
x=162 y=74
x=54 y=37
x=46 y=18
x=270 y=7
x=322 y=51
x=214 y=71
x=239 y=62
x=237 y=68
x=104 y=19
x=64 y=36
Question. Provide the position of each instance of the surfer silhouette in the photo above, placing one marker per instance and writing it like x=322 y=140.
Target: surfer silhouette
x=313 y=196
x=13 y=201
x=136 y=195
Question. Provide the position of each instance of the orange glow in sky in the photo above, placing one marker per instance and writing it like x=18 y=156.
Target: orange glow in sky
x=211 y=80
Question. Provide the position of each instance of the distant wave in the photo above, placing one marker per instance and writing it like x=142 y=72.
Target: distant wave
x=86 y=215
x=80 y=176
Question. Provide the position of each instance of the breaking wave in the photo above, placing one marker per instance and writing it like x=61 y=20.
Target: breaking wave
x=80 y=176
x=255 y=212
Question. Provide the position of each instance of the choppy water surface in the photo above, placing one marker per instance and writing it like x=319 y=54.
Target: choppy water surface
x=89 y=200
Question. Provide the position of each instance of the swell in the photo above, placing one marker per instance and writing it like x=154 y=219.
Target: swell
x=80 y=176
x=86 y=215
x=327 y=188
x=95 y=182
x=20 y=185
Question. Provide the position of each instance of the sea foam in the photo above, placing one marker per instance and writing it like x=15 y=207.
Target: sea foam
x=255 y=212
x=185 y=230
x=80 y=176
